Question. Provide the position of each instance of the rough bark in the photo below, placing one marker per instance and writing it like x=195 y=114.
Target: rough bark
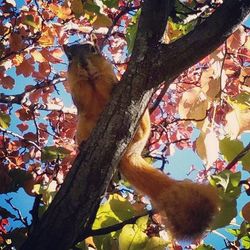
x=73 y=209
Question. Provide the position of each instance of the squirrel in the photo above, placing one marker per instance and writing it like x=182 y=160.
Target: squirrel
x=187 y=207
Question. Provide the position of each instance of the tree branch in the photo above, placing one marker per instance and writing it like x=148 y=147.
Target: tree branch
x=113 y=228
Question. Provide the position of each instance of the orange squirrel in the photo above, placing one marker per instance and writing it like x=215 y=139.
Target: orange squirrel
x=188 y=207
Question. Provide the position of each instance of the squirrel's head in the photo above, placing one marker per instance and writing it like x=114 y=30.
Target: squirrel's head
x=87 y=63
x=80 y=54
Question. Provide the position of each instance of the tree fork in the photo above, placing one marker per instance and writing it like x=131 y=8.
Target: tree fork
x=70 y=213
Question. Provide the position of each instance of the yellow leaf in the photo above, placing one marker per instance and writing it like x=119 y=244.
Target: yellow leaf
x=38 y=57
x=237 y=39
x=47 y=37
x=238 y=121
x=18 y=59
x=90 y=243
x=193 y=104
x=200 y=146
x=63 y=12
x=102 y=21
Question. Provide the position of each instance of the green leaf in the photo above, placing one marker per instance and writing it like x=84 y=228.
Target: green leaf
x=91 y=7
x=132 y=237
x=115 y=210
x=245 y=242
x=4 y=120
x=228 y=181
x=4 y=213
x=142 y=223
x=241 y=101
x=227 y=213
x=29 y=20
x=246 y=162
x=230 y=148
x=51 y=153
x=111 y=3
x=229 y=191
x=131 y=31
x=205 y=247
x=234 y=232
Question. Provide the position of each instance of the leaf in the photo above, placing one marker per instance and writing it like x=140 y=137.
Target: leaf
x=227 y=213
x=77 y=8
x=4 y=213
x=230 y=148
x=24 y=114
x=246 y=162
x=193 y=104
x=7 y=82
x=229 y=192
x=18 y=59
x=16 y=41
x=22 y=127
x=38 y=57
x=91 y=7
x=229 y=182
x=4 y=120
x=47 y=38
x=132 y=237
x=25 y=68
x=20 y=176
x=131 y=31
x=176 y=30
x=62 y=12
x=238 y=121
x=237 y=39
x=44 y=68
x=102 y=21
x=204 y=149
x=246 y=242
x=29 y=20
x=51 y=153
x=116 y=209
x=111 y=3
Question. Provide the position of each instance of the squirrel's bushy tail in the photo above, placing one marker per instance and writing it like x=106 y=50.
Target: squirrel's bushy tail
x=188 y=208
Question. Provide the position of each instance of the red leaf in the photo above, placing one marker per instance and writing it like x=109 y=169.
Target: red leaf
x=8 y=82
x=26 y=68
x=23 y=126
x=24 y=114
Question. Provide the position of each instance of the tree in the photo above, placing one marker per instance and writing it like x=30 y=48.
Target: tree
x=214 y=90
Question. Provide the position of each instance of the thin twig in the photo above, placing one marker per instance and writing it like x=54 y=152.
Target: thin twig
x=20 y=137
x=20 y=217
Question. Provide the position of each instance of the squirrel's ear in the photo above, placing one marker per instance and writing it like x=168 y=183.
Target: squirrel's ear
x=94 y=42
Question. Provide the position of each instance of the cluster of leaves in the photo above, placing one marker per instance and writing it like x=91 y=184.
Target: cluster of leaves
x=37 y=128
